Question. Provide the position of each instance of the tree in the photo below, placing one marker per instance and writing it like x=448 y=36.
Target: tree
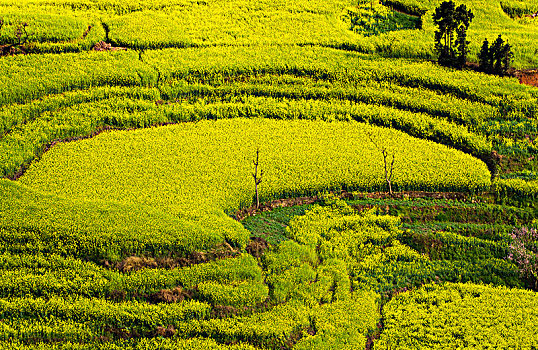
x=21 y=37
x=257 y=178
x=452 y=20
x=507 y=57
x=386 y=156
x=21 y=34
x=497 y=58
x=496 y=54
x=484 y=58
x=462 y=46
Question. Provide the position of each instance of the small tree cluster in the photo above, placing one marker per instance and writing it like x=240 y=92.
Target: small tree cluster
x=523 y=251
x=495 y=59
x=451 y=42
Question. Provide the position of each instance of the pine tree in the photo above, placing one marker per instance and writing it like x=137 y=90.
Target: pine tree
x=452 y=20
x=462 y=46
x=484 y=59
x=507 y=58
x=497 y=58
x=444 y=19
x=463 y=18
x=496 y=53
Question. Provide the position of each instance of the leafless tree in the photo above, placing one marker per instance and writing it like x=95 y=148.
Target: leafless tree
x=21 y=34
x=386 y=158
x=257 y=178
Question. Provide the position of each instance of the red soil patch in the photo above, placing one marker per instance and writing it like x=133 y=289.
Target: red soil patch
x=528 y=76
x=165 y=332
x=169 y=296
x=102 y=46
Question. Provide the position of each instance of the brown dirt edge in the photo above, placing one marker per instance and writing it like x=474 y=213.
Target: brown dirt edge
x=12 y=50
x=135 y=263
x=242 y=214
x=527 y=76
x=49 y=145
x=103 y=46
x=169 y=296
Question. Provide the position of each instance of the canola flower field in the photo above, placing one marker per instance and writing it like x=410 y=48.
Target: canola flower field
x=128 y=131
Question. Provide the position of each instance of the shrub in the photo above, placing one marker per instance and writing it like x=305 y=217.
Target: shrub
x=523 y=250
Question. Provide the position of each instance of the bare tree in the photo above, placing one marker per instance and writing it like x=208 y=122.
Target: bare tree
x=257 y=178
x=386 y=156
x=21 y=34
x=21 y=39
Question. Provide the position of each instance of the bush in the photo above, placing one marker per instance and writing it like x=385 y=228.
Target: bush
x=523 y=250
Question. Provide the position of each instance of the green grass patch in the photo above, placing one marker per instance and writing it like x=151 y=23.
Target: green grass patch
x=271 y=225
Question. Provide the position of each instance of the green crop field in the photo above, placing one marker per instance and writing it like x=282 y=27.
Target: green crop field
x=398 y=194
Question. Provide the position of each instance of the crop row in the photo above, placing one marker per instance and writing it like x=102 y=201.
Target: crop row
x=488 y=231
x=25 y=78
x=27 y=140
x=157 y=343
x=176 y=164
x=448 y=211
x=85 y=320
x=55 y=25
x=49 y=31
x=519 y=8
x=33 y=222
x=516 y=191
x=441 y=245
x=48 y=275
x=378 y=259
x=391 y=95
x=183 y=23
x=461 y=315
x=127 y=6
x=322 y=285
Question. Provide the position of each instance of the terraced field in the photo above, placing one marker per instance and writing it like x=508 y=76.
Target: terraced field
x=128 y=132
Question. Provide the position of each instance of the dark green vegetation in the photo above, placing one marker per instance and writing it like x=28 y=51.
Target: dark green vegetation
x=451 y=42
x=439 y=241
x=125 y=238
x=271 y=225
x=495 y=58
